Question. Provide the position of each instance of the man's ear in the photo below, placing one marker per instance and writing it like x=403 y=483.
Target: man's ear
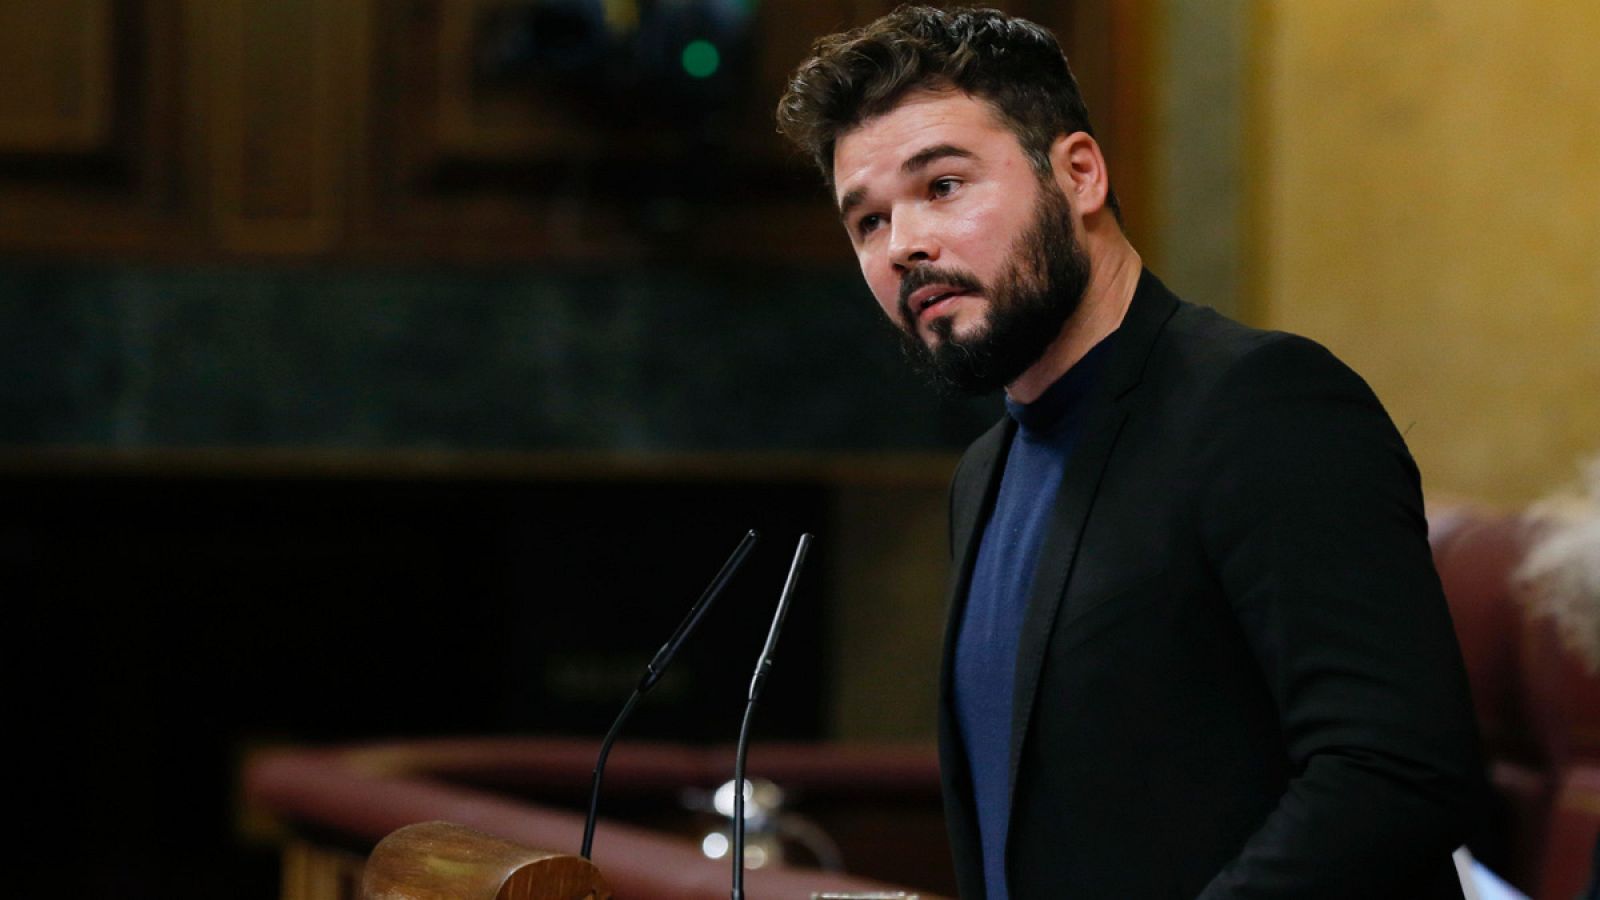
x=1079 y=169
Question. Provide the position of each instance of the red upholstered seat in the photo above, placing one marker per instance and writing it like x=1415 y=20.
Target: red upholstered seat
x=1538 y=708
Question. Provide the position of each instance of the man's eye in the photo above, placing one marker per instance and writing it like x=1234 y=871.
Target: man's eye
x=943 y=187
x=868 y=224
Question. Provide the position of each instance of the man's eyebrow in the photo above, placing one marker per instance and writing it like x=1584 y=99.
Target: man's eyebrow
x=928 y=155
x=851 y=200
x=919 y=160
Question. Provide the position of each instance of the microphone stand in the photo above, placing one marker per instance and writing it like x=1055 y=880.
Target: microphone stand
x=757 y=682
x=653 y=671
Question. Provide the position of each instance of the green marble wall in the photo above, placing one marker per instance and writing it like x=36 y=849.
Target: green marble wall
x=509 y=359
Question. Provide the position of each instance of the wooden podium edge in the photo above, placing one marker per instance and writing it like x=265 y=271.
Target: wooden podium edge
x=445 y=861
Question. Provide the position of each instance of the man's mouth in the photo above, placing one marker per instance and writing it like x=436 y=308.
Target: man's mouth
x=927 y=299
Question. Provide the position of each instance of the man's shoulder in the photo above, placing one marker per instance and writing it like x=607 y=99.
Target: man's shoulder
x=1209 y=340
x=1212 y=381
x=1203 y=351
x=1184 y=347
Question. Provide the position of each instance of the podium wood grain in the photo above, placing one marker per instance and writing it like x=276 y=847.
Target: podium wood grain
x=441 y=861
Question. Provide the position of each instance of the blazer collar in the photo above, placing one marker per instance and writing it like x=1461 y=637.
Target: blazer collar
x=971 y=496
x=1136 y=337
x=1152 y=306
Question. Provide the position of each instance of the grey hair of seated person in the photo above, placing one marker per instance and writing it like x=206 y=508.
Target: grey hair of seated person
x=1560 y=575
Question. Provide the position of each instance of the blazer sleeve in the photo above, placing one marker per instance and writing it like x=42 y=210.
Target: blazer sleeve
x=1310 y=512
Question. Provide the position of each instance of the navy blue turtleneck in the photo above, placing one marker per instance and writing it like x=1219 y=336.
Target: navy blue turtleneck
x=997 y=599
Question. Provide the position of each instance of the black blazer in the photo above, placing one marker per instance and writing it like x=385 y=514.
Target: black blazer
x=1237 y=674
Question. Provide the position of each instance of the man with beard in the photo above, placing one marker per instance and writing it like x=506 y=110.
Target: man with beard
x=1196 y=645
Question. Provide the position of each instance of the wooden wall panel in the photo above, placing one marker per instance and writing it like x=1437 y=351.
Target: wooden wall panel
x=475 y=123
x=360 y=130
x=283 y=87
x=92 y=128
x=474 y=171
x=55 y=64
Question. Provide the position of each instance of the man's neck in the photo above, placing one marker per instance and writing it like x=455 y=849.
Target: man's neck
x=1112 y=280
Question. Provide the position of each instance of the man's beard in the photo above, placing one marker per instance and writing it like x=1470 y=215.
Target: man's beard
x=1029 y=303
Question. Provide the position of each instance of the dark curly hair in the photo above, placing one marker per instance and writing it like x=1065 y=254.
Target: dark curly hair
x=1013 y=64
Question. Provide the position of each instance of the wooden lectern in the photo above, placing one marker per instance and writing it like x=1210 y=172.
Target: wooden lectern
x=441 y=861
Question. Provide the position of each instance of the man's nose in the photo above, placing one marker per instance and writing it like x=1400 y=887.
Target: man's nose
x=911 y=242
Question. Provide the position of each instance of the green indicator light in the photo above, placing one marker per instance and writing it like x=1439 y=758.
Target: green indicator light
x=701 y=59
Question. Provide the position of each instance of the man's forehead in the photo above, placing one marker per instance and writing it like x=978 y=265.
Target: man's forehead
x=919 y=126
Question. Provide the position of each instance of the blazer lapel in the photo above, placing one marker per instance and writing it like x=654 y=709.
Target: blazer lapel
x=1103 y=420
x=971 y=495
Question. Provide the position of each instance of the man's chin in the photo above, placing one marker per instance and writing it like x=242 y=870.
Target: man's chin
x=955 y=366
x=931 y=342
x=938 y=331
x=933 y=338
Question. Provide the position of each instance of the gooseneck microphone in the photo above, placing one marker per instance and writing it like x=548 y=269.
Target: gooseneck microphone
x=757 y=682
x=653 y=671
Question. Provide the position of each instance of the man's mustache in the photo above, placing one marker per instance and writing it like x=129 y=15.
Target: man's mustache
x=922 y=276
